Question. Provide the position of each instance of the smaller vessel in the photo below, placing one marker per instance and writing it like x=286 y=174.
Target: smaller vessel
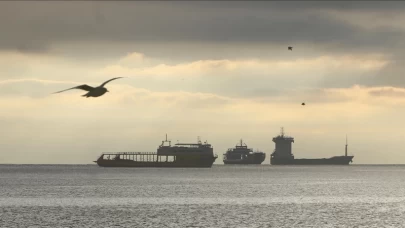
x=241 y=154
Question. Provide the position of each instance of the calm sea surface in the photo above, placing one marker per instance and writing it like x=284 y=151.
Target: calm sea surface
x=223 y=196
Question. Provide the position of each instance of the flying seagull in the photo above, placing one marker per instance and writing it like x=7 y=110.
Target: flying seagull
x=92 y=91
x=290 y=48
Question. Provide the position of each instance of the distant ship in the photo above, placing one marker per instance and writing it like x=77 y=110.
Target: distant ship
x=181 y=155
x=282 y=154
x=243 y=155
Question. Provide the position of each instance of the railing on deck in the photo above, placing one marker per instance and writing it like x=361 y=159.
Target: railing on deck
x=138 y=157
x=131 y=153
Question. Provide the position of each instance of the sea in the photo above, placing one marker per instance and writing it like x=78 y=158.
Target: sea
x=221 y=196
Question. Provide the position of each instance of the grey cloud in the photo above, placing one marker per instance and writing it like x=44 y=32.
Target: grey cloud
x=204 y=103
x=36 y=26
x=323 y=96
x=309 y=96
x=305 y=5
x=390 y=75
x=389 y=92
x=31 y=88
x=170 y=30
x=232 y=87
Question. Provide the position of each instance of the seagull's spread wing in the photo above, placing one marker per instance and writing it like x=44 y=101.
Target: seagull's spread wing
x=83 y=87
x=109 y=81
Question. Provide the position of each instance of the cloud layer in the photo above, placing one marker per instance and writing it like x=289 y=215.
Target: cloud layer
x=104 y=31
x=271 y=22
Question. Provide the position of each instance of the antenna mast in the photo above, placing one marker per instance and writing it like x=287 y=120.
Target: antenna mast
x=282 y=131
x=346 y=147
x=166 y=141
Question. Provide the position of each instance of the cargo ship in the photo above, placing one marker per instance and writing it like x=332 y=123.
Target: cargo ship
x=282 y=154
x=241 y=154
x=181 y=155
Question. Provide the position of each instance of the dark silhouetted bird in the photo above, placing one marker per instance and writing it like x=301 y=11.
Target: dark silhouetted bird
x=290 y=48
x=92 y=91
x=303 y=103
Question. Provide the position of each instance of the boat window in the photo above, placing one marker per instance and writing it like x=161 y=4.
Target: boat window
x=170 y=158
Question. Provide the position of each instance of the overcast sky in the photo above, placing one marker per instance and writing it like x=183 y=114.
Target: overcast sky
x=218 y=70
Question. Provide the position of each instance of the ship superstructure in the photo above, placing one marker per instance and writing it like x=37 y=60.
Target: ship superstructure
x=241 y=154
x=180 y=155
x=283 y=155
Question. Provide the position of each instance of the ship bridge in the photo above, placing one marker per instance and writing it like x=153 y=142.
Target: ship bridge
x=242 y=147
x=185 y=148
x=193 y=145
x=283 y=145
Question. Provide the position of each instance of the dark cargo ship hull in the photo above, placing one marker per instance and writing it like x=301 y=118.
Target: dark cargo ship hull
x=254 y=161
x=242 y=162
x=338 y=160
x=200 y=163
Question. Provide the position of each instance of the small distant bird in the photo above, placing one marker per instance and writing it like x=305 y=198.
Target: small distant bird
x=93 y=91
x=290 y=48
x=303 y=103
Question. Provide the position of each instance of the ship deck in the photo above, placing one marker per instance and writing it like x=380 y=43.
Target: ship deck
x=138 y=157
x=151 y=159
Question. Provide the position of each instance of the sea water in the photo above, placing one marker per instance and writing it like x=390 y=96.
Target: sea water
x=221 y=196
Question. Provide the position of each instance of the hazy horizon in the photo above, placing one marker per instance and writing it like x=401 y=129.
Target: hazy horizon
x=218 y=70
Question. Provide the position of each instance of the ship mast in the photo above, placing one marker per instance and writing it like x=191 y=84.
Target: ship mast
x=163 y=142
x=346 y=147
x=282 y=131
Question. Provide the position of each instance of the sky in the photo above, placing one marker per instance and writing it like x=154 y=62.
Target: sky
x=218 y=70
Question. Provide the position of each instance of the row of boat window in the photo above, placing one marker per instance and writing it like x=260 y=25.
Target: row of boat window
x=187 y=151
x=144 y=158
